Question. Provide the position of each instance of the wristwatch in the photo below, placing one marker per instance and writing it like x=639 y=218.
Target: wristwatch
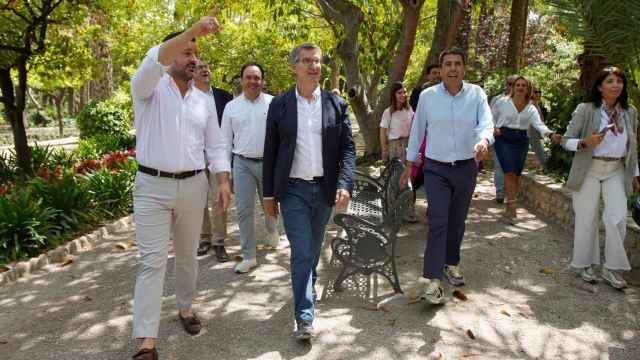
x=581 y=145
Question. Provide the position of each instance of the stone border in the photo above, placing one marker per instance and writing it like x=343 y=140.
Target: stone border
x=59 y=254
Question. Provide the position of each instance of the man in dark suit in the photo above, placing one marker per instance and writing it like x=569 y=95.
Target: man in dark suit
x=433 y=77
x=214 y=225
x=308 y=166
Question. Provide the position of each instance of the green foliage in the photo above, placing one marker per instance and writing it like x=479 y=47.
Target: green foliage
x=111 y=191
x=39 y=118
x=64 y=158
x=41 y=157
x=96 y=146
x=7 y=168
x=67 y=196
x=102 y=118
x=25 y=225
x=87 y=149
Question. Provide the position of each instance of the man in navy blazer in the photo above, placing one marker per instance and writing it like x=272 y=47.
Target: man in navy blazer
x=308 y=166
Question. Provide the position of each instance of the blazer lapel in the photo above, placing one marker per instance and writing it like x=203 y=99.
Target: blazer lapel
x=292 y=112
x=328 y=116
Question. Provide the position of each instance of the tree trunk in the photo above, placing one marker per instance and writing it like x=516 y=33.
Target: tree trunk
x=590 y=65
x=449 y=31
x=102 y=84
x=366 y=102
x=334 y=78
x=14 y=107
x=84 y=96
x=71 y=106
x=59 y=99
x=517 y=32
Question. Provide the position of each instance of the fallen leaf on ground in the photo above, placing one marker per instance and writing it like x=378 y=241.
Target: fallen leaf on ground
x=3 y=342
x=505 y=312
x=4 y=268
x=460 y=295
x=546 y=270
x=131 y=243
x=523 y=315
x=67 y=260
x=468 y=355
x=435 y=339
x=120 y=247
x=87 y=298
x=237 y=258
x=470 y=334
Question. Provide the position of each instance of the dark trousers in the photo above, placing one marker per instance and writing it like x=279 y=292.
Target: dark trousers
x=449 y=189
x=305 y=213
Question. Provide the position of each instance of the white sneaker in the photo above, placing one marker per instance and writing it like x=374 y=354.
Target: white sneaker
x=245 y=266
x=453 y=275
x=588 y=275
x=433 y=291
x=272 y=240
x=613 y=278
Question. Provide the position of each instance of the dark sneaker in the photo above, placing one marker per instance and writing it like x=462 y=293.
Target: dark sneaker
x=191 y=324
x=614 y=278
x=453 y=275
x=204 y=246
x=221 y=253
x=500 y=199
x=146 y=354
x=304 y=331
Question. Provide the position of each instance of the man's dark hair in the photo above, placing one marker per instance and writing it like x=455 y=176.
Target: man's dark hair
x=453 y=51
x=252 y=64
x=431 y=67
x=174 y=34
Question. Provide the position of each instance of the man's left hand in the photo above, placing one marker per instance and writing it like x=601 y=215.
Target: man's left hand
x=481 y=149
x=342 y=199
x=224 y=191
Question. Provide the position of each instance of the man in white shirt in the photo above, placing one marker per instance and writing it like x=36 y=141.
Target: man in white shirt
x=214 y=223
x=176 y=124
x=243 y=124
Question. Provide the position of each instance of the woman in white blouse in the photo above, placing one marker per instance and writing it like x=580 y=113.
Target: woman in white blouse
x=512 y=116
x=396 y=124
x=603 y=135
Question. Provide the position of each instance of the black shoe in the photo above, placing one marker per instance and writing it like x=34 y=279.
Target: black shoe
x=221 y=253
x=304 y=331
x=204 y=246
x=500 y=199
x=191 y=324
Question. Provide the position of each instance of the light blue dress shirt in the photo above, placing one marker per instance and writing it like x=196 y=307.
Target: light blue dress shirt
x=454 y=124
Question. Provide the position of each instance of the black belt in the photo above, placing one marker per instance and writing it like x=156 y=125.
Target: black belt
x=248 y=158
x=606 y=158
x=160 y=173
x=315 y=180
x=453 y=163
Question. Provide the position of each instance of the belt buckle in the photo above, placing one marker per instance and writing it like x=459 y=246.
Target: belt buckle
x=453 y=163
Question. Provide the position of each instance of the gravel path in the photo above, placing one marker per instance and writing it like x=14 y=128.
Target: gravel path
x=514 y=311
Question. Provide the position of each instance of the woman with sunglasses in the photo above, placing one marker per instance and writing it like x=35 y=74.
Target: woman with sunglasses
x=603 y=135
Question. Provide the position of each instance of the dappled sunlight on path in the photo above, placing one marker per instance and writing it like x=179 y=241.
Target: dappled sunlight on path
x=515 y=310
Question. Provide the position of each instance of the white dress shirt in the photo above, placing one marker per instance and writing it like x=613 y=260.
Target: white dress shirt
x=505 y=114
x=244 y=124
x=174 y=132
x=307 y=158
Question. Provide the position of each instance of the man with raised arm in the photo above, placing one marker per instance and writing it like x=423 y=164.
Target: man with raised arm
x=176 y=124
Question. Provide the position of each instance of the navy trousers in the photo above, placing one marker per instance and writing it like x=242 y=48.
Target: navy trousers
x=449 y=189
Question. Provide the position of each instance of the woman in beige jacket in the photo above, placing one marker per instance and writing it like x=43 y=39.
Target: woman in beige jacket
x=603 y=135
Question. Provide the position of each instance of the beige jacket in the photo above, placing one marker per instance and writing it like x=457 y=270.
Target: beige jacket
x=585 y=120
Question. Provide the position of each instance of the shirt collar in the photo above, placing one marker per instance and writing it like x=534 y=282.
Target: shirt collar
x=258 y=99
x=316 y=94
x=444 y=89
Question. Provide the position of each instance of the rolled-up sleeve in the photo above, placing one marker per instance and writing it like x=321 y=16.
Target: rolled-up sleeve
x=146 y=78
x=418 y=127
x=216 y=145
x=484 y=127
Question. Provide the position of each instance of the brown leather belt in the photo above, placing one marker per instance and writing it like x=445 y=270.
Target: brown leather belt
x=160 y=173
x=605 y=158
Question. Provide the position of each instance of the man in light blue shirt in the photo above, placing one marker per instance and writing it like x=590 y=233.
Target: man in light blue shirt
x=459 y=127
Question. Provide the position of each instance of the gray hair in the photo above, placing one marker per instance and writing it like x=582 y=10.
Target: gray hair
x=294 y=55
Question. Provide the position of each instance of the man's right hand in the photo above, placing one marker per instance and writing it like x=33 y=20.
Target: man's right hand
x=270 y=207
x=205 y=26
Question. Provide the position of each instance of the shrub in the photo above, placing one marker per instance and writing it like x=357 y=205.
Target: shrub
x=102 y=118
x=42 y=157
x=66 y=159
x=7 y=168
x=67 y=196
x=87 y=149
x=25 y=226
x=112 y=191
x=39 y=118
x=96 y=146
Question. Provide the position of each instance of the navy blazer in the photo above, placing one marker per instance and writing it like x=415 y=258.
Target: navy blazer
x=222 y=98
x=338 y=148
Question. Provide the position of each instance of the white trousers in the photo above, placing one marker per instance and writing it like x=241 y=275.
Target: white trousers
x=164 y=207
x=606 y=177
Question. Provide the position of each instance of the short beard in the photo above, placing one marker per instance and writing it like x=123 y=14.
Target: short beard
x=181 y=74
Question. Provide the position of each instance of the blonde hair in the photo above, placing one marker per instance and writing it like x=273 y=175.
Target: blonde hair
x=529 y=88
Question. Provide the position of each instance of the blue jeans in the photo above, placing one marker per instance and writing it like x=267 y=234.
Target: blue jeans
x=305 y=213
x=498 y=176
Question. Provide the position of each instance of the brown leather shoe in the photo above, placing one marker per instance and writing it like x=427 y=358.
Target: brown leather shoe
x=191 y=324
x=146 y=354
